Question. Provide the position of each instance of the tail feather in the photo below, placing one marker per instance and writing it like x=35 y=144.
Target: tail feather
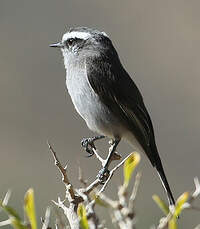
x=155 y=160
x=156 y=163
x=154 y=157
x=161 y=174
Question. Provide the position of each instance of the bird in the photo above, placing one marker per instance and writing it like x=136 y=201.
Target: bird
x=106 y=97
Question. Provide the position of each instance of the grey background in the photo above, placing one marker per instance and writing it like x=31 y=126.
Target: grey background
x=158 y=42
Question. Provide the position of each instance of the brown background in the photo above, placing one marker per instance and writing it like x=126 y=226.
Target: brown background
x=158 y=42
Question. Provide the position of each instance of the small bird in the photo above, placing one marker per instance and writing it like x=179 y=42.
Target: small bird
x=106 y=97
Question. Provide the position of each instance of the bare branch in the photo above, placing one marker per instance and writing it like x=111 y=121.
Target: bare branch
x=135 y=189
x=188 y=205
x=45 y=221
x=80 y=177
x=115 y=156
x=197 y=227
x=60 y=224
x=111 y=203
x=111 y=174
x=196 y=193
x=70 y=213
x=5 y=222
x=6 y=198
x=63 y=173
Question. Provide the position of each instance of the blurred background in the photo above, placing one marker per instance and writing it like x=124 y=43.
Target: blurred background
x=158 y=43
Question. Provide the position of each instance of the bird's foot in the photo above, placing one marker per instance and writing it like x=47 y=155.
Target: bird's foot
x=103 y=175
x=88 y=144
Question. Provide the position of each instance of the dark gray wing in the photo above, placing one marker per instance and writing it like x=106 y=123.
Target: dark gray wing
x=116 y=89
x=119 y=93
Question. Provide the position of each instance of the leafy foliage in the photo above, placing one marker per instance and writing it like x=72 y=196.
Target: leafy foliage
x=174 y=213
x=83 y=217
x=29 y=209
x=122 y=207
x=15 y=220
x=129 y=166
x=161 y=204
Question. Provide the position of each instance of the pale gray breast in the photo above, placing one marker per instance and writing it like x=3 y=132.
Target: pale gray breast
x=87 y=103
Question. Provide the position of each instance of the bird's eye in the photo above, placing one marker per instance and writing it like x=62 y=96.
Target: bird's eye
x=70 y=41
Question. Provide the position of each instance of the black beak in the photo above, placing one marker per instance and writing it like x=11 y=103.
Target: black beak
x=57 y=45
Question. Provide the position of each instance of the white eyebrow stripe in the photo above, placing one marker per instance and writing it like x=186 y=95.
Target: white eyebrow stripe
x=81 y=35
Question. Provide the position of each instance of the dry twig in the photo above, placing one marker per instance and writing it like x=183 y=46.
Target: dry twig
x=76 y=196
x=188 y=205
x=45 y=221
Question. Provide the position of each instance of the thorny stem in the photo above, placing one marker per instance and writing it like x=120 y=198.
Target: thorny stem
x=111 y=174
x=63 y=172
x=45 y=221
x=80 y=177
x=122 y=209
x=115 y=156
x=135 y=189
x=82 y=195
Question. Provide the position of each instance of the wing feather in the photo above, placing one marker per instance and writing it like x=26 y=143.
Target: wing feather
x=116 y=89
x=119 y=93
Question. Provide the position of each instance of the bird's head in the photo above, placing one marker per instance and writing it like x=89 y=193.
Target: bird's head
x=83 y=41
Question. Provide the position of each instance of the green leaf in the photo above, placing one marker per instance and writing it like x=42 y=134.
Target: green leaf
x=172 y=223
x=29 y=208
x=16 y=221
x=100 y=202
x=83 y=217
x=129 y=166
x=161 y=204
x=10 y=211
x=17 y=224
x=180 y=202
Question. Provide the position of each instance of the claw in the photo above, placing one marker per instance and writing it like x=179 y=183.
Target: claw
x=90 y=152
x=88 y=144
x=87 y=141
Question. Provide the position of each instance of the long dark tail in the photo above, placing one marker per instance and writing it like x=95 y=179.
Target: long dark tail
x=156 y=162
x=161 y=173
x=145 y=136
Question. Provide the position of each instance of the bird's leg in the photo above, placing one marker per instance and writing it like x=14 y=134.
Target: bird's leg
x=104 y=172
x=88 y=144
